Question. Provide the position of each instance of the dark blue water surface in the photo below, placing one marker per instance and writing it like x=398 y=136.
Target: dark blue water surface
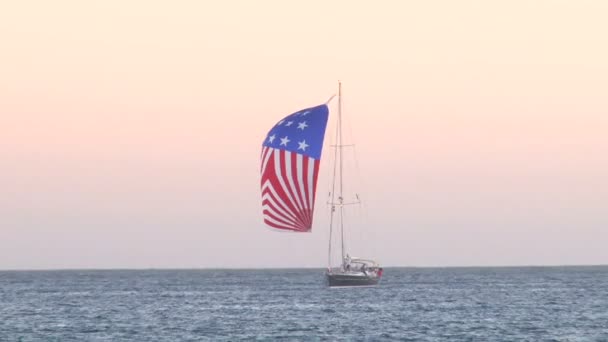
x=411 y=304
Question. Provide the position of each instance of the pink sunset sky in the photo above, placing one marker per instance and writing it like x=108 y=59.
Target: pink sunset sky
x=130 y=131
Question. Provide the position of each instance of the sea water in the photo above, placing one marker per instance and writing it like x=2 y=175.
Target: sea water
x=410 y=304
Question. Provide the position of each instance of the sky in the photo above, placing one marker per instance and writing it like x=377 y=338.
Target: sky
x=130 y=131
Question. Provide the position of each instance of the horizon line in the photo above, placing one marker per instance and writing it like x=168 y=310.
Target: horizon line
x=284 y=268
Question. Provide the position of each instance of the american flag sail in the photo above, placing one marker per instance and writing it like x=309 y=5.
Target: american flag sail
x=290 y=159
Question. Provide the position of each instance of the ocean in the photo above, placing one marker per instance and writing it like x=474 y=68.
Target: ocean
x=410 y=304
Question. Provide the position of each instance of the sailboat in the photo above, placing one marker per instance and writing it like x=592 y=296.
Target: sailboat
x=290 y=162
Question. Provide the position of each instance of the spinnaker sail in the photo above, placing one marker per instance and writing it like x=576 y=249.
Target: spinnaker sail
x=290 y=159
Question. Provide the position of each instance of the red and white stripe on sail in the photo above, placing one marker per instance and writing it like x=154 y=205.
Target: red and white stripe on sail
x=289 y=182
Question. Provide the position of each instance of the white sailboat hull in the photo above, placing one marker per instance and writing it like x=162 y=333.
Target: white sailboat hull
x=344 y=279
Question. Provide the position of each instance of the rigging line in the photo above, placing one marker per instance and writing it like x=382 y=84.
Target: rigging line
x=363 y=206
x=333 y=194
x=363 y=212
x=328 y=170
x=344 y=203
x=330 y=189
x=330 y=214
x=340 y=198
x=359 y=178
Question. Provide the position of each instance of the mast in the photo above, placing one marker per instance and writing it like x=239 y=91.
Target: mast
x=332 y=199
x=338 y=161
x=339 y=148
